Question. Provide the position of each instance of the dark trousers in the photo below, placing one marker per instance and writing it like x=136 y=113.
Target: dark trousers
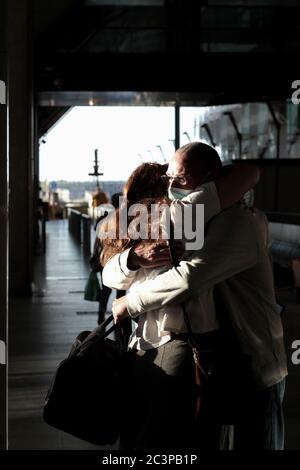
x=262 y=424
x=160 y=398
x=160 y=406
x=230 y=399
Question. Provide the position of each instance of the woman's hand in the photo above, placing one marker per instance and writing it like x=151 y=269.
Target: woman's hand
x=147 y=254
x=119 y=309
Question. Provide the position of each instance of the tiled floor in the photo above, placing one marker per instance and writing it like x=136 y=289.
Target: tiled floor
x=43 y=327
x=41 y=331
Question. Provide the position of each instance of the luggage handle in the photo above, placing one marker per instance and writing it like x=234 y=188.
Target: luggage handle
x=103 y=334
x=98 y=332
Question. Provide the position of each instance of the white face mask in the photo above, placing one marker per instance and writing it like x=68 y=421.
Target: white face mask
x=178 y=193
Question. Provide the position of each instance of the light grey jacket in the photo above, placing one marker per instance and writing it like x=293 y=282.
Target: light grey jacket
x=235 y=257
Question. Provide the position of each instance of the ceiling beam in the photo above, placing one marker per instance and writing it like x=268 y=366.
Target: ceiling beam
x=242 y=75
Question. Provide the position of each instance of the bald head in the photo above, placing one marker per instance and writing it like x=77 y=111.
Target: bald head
x=197 y=161
x=199 y=157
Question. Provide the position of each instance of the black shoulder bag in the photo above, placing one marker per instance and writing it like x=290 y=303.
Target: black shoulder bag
x=83 y=399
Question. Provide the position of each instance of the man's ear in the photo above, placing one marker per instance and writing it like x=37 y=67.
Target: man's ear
x=218 y=172
x=210 y=176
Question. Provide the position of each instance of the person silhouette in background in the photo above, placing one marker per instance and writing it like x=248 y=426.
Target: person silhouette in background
x=97 y=267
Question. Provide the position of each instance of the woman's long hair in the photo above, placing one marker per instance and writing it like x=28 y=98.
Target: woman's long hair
x=146 y=182
x=145 y=186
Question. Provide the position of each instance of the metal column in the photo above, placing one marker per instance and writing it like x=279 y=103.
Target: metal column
x=209 y=133
x=237 y=132
x=278 y=128
x=3 y=225
x=21 y=151
x=177 y=127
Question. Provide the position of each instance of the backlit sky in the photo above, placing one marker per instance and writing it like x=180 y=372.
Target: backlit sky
x=119 y=134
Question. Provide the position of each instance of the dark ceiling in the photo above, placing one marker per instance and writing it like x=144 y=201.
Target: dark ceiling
x=153 y=44
x=218 y=51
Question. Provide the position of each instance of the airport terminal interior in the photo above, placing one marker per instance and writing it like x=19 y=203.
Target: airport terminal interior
x=227 y=70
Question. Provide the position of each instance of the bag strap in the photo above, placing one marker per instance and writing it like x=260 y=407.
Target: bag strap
x=176 y=263
x=191 y=339
x=175 y=260
x=115 y=326
x=100 y=332
x=106 y=322
x=199 y=371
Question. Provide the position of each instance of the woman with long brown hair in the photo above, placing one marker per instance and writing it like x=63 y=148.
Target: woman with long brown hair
x=145 y=186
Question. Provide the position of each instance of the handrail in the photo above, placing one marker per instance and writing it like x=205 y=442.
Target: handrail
x=86 y=234
x=80 y=229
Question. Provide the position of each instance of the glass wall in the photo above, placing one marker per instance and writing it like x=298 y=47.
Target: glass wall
x=245 y=130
